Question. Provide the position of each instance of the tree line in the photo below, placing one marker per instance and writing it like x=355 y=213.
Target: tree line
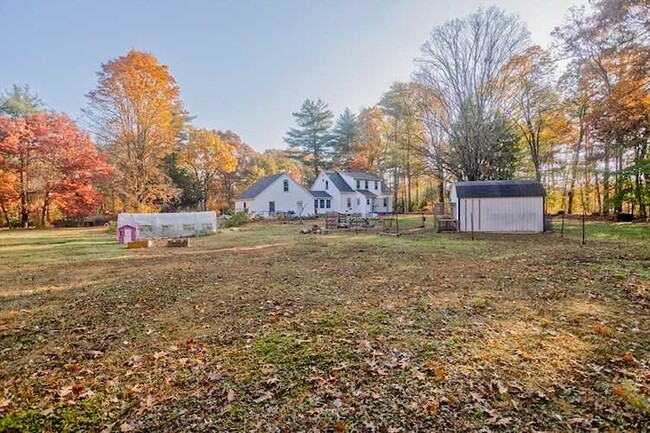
x=142 y=153
x=483 y=103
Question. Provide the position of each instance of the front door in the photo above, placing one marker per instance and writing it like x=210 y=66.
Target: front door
x=271 y=207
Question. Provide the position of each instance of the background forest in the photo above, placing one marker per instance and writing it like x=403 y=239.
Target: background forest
x=483 y=103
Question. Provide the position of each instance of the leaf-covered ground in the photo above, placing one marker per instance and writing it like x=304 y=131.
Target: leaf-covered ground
x=264 y=329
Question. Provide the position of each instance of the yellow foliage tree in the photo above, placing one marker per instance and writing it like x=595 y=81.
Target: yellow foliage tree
x=370 y=144
x=137 y=114
x=536 y=107
x=209 y=159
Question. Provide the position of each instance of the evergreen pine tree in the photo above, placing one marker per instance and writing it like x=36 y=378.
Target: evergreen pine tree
x=345 y=130
x=312 y=141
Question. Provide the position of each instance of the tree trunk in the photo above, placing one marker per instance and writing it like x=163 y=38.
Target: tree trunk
x=574 y=169
x=6 y=214
x=44 y=208
x=408 y=174
x=606 y=174
x=24 y=211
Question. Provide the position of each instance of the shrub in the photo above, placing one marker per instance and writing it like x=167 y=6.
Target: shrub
x=236 y=219
x=111 y=227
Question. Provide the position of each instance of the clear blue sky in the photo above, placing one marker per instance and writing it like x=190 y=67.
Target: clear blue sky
x=243 y=65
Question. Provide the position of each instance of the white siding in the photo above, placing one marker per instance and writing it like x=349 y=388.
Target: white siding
x=358 y=203
x=509 y=214
x=285 y=201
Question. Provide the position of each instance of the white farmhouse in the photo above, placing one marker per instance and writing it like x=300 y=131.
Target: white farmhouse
x=273 y=194
x=351 y=192
x=499 y=206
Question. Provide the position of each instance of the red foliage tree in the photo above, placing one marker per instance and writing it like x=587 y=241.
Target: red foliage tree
x=53 y=161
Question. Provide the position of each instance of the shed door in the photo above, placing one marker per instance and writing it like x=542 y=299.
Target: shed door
x=128 y=235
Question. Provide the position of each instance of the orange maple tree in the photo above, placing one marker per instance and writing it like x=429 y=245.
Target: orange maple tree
x=137 y=114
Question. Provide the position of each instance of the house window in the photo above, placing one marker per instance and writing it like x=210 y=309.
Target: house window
x=271 y=207
x=328 y=203
x=286 y=185
x=322 y=203
x=327 y=184
x=316 y=204
x=188 y=227
x=244 y=205
x=385 y=201
x=366 y=184
x=368 y=201
x=358 y=184
x=358 y=201
x=349 y=203
x=376 y=185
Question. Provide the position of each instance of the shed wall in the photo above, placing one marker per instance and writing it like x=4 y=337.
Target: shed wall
x=503 y=215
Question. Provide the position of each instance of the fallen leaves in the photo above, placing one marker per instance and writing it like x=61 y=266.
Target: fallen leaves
x=435 y=369
x=264 y=397
x=281 y=340
x=603 y=330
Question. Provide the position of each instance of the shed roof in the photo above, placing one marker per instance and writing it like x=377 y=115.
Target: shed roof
x=321 y=194
x=255 y=189
x=499 y=188
x=339 y=182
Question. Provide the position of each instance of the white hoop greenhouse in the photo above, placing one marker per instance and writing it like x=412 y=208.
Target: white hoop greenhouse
x=157 y=225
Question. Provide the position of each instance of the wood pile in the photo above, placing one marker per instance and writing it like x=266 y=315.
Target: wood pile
x=314 y=230
x=178 y=242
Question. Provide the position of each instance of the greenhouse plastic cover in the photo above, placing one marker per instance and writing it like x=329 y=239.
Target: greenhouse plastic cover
x=157 y=225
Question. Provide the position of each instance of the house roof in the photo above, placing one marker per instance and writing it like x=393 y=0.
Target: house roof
x=367 y=193
x=255 y=189
x=361 y=175
x=338 y=181
x=499 y=188
x=321 y=194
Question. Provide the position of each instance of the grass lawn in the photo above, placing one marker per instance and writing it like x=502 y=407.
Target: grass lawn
x=264 y=329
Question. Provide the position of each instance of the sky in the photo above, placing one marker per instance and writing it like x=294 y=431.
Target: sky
x=243 y=65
